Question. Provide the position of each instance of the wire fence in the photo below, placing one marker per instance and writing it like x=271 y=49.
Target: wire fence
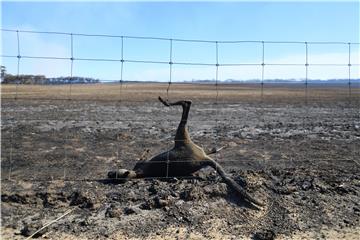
x=71 y=94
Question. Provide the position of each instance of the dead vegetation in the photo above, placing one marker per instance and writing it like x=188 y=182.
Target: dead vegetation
x=302 y=157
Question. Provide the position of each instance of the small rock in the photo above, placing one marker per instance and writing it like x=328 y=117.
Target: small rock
x=132 y=196
x=113 y=212
x=44 y=196
x=115 y=196
x=342 y=189
x=306 y=185
x=171 y=180
x=25 y=231
x=147 y=205
x=241 y=181
x=304 y=198
x=232 y=144
x=131 y=210
x=159 y=203
x=264 y=235
x=285 y=190
x=16 y=198
x=84 y=222
x=191 y=194
x=216 y=190
x=152 y=189
x=77 y=199
x=30 y=228
x=322 y=188
x=174 y=194
x=312 y=136
x=318 y=129
x=104 y=232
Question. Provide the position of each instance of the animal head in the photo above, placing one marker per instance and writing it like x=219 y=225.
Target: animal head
x=122 y=173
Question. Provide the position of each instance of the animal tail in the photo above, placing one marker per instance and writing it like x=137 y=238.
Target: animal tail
x=229 y=181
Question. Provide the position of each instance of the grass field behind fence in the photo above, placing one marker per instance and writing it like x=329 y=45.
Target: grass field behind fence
x=207 y=92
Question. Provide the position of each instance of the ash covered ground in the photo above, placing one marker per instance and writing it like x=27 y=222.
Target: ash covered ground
x=301 y=159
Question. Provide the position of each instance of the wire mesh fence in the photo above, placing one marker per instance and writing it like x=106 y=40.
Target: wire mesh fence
x=219 y=111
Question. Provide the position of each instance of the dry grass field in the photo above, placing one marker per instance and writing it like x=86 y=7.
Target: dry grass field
x=150 y=91
x=296 y=150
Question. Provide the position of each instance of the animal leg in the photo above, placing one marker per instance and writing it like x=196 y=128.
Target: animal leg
x=182 y=135
x=229 y=181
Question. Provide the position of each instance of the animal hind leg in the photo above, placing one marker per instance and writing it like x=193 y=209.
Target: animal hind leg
x=182 y=135
x=228 y=180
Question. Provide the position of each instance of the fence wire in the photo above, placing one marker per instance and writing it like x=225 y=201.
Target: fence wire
x=72 y=58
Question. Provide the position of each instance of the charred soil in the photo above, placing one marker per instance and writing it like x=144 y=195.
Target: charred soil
x=301 y=160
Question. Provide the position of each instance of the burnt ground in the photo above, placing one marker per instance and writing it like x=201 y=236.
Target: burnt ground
x=301 y=159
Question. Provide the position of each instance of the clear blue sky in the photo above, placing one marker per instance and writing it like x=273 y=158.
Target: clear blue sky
x=269 y=21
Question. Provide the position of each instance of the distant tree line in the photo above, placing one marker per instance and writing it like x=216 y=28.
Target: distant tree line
x=42 y=79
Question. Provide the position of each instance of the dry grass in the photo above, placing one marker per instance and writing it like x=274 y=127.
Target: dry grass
x=206 y=92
